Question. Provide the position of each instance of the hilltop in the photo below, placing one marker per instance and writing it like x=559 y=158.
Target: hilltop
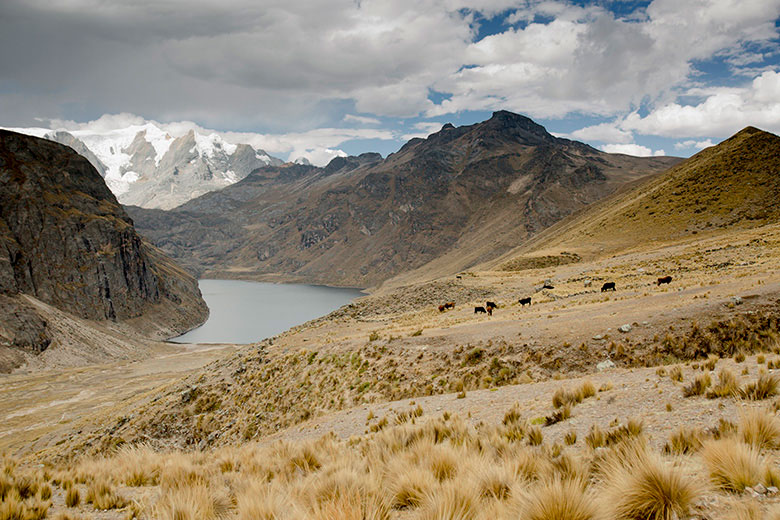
x=735 y=184
x=465 y=194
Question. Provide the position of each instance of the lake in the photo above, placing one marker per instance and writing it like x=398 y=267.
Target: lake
x=246 y=312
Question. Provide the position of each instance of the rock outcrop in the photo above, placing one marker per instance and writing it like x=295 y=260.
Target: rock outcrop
x=67 y=242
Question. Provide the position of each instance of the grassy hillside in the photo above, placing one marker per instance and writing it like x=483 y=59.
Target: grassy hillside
x=735 y=184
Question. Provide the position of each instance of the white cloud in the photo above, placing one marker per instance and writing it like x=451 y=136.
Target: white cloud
x=351 y=118
x=723 y=112
x=632 y=149
x=425 y=129
x=698 y=145
x=319 y=156
x=604 y=132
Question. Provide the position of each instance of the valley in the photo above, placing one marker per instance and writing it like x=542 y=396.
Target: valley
x=392 y=408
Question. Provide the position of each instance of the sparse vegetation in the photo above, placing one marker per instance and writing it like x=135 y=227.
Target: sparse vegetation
x=698 y=386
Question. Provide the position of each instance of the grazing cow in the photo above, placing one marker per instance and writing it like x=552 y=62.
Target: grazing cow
x=441 y=308
x=607 y=286
x=664 y=279
x=525 y=300
x=491 y=304
x=449 y=305
x=458 y=276
x=479 y=309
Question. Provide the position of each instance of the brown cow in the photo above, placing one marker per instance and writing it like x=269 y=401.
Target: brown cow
x=441 y=308
x=664 y=279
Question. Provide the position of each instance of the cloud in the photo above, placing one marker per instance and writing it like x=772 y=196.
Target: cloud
x=698 y=145
x=722 y=113
x=350 y=118
x=632 y=149
x=283 y=68
x=592 y=62
x=604 y=132
x=425 y=129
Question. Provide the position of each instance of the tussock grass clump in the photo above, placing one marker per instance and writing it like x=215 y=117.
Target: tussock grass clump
x=456 y=502
x=558 y=499
x=534 y=436
x=557 y=416
x=760 y=428
x=698 y=386
x=570 y=438
x=196 y=502
x=732 y=465
x=764 y=387
x=72 y=497
x=261 y=502
x=639 y=485
x=684 y=441
x=676 y=373
x=727 y=386
x=574 y=396
x=712 y=360
x=103 y=496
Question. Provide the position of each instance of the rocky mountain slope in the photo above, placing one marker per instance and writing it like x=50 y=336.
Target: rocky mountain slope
x=467 y=194
x=733 y=184
x=65 y=241
x=146 y=166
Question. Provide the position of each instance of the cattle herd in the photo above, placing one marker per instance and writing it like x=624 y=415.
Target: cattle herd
x=490 y=306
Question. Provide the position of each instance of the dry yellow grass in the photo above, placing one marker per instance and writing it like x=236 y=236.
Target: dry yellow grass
x=733 y=465
x=760 y=428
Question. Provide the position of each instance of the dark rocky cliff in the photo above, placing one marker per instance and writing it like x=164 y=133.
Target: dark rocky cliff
x=65 y=240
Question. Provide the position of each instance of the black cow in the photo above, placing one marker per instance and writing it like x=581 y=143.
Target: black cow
x=479 y=309
x=607 y=286
x=449 y=305
x=525 y=300
x=664 y=279
x=441 y=308
x=491 y=304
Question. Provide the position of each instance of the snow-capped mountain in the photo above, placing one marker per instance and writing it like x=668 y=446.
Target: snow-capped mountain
x=146 y=166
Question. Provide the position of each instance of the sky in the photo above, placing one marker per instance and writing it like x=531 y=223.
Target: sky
x=316 y=78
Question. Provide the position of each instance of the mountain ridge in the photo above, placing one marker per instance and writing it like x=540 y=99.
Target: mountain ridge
x=733 y=183
x=374 y=219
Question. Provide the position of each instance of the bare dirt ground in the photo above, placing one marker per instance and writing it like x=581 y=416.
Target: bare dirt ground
x=52 y=402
